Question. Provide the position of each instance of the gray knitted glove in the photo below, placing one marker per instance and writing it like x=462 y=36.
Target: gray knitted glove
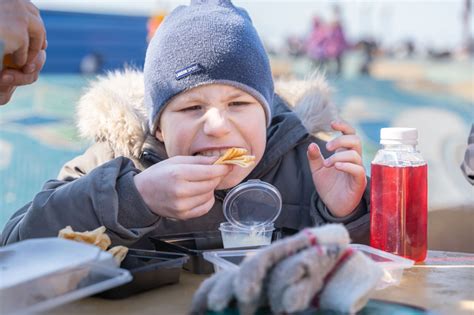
x=327 y=277
x=215 y=293
x=296 y=280
x=248 y=284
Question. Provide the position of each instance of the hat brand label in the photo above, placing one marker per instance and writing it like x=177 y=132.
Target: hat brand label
x=182 y=73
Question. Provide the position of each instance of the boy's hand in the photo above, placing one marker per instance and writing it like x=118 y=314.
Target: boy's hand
x=340 y=179
x=181 y=187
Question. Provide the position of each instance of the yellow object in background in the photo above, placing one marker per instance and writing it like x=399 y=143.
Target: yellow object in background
x=8 y=62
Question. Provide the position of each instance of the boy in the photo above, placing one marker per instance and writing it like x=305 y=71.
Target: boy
x=208 y=87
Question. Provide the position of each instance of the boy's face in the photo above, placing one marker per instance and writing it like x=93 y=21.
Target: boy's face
x=208 y=120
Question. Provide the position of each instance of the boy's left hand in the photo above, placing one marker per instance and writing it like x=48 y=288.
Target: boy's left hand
x=340 y=179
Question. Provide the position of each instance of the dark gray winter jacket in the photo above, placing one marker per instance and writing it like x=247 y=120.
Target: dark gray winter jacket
x=97 y=188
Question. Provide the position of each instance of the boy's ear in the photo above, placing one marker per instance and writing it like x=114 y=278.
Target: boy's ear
x=159 y=134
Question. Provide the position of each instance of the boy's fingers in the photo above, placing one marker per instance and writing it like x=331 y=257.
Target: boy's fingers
x=315 y=159
x=199 y=210
x=190 y=159
x=182 y=205
x=190 y=189
x=346 y=142
x=199 y=173
x=357 y=171
x=343 y=126
x=350 y=156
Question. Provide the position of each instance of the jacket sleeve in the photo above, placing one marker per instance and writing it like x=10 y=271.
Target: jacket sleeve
x=357 y=222
x=104 y=196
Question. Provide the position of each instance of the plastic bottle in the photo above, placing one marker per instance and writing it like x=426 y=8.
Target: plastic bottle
x=399 y=191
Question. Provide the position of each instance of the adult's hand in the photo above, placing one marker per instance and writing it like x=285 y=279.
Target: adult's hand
x=11 y=78
x=21 y=30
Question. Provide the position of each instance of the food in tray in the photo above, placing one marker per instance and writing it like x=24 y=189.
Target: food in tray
x=119 y=253
x=96 y=237
x=236 y=156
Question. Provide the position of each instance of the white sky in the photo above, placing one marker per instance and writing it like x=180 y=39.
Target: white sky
x=436 y=23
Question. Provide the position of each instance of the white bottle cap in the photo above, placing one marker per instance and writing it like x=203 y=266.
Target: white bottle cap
x=399 y=136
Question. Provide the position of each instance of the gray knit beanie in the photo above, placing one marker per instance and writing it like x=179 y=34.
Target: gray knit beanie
x=206 y=42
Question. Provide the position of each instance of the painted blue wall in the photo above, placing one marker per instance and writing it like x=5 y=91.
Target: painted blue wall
x=118 y=39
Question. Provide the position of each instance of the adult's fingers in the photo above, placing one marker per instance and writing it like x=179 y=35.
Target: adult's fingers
x=37 y=35
x=20 y=56
x=6 y=93
x=28 y=75
x=37 y=64
x=11 y=77
x=32 y=9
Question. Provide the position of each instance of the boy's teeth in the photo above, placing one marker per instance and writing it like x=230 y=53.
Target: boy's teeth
x=212 y=152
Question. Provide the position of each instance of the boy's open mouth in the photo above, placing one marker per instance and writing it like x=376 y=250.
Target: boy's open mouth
x=212 y=152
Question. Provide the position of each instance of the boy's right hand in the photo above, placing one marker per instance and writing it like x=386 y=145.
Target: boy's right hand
x=181 y=187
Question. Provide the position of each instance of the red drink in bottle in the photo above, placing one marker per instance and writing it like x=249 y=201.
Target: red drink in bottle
x=399 y=195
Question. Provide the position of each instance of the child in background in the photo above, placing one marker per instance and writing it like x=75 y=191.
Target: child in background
x=207 y=87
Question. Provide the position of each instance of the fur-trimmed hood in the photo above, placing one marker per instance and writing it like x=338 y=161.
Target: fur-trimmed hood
x=112 y=108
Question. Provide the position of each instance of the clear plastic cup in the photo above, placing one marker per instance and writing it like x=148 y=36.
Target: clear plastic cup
x=235 y=236
x=252 y=204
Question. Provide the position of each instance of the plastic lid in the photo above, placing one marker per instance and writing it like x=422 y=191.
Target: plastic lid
x=399 y=136
x=252 y=204
x=39 y=274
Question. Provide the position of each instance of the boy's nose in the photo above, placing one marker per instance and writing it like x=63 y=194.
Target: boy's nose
x=216 y=123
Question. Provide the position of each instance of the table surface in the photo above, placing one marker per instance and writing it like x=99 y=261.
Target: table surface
x=444 y=283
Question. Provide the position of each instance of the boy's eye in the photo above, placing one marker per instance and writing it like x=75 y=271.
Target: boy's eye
x=191 y=108
x=238 y=103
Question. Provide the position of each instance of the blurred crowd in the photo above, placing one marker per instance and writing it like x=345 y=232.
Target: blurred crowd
x=326 y=45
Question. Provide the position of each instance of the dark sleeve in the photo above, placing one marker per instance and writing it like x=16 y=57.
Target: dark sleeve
x=357 y=222
x=105 y=196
